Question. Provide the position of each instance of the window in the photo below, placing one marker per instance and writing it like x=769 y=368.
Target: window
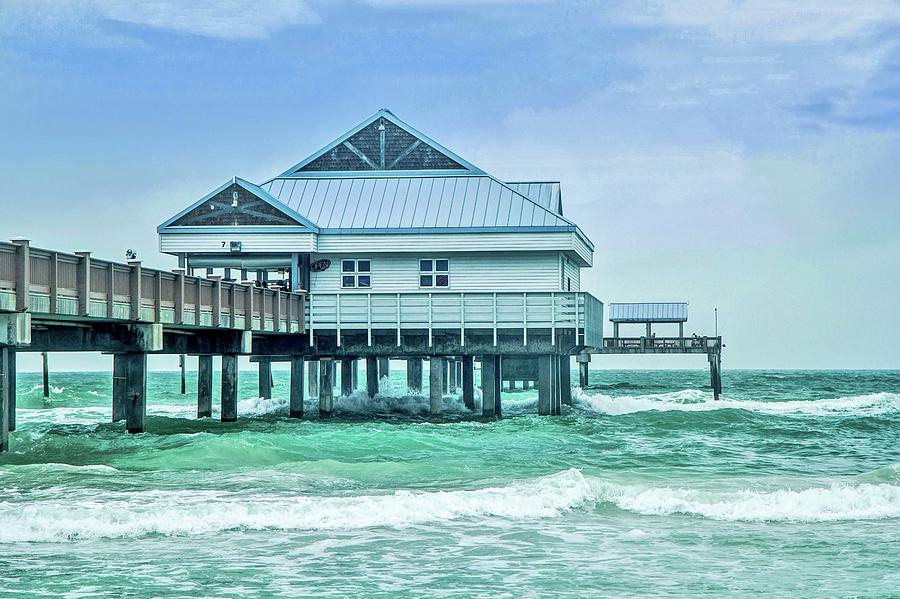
x=356 y=274
x=434 y=273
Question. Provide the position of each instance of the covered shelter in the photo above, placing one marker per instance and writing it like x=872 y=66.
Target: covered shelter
x=648 y=314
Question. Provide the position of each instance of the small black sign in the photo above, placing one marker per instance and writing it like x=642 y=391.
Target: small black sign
x=320 y=265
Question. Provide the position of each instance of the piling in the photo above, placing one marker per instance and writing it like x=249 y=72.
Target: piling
x=181 y=367
x=414 y=375
x=4 y=400
x=265 y=379
x=436 y=371
x=229 y=387
x=384 y=368
x=326 y=389
x=348 y=384
x=490 y=385
x=204 y=386
x=565 y=380
x=313 y=376
x=120 y=376
x=445 y=377
x=371 y=376
x=468 y=381
x=583 y=361
x=548 y=385
x=11 y=388
x=46 y=372
x=135 y=391
x=296 y=408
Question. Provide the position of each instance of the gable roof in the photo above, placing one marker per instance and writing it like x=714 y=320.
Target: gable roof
x=237 y=203
x=381 y=143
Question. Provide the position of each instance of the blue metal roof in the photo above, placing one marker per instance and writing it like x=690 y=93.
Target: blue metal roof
x=420 y=202
x=648 y=312
x=543 y=193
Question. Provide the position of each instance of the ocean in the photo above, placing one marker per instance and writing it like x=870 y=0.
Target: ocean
x=787 y=487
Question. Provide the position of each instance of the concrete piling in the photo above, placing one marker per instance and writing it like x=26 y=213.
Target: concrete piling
x=229 y=387
x=181 y=367
x=414 y=374
x=371 y=376
x=4 y=400
x=120 y=376
x=135 y=391
x=583 y=360
x=326 y=389
x=348 y=384
x=384 y=368
x=565 y=380
x=45 y=369
x=548 y=385
x=11 y=393
x=313 y=376
x=490 y=385
x=204 y=386
x=468 y=381
x=296 y=407
x=265 y=379
x=436 y=372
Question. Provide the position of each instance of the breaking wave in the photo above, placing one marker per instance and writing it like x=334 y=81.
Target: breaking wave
x=694 y=400
x=110 y=514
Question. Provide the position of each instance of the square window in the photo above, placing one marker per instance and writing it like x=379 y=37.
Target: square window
x=348 y=266
x=425 y=280
x=364 y=281
x=363 y=266
x=348 y=281
x=442 y=265
x=425 y=265
x=442 y=281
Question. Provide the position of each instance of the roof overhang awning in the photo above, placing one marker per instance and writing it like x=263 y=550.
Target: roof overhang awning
x=648 y=312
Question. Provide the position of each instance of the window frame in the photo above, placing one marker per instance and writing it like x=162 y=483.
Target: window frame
x=433 y=273
x=356 y=273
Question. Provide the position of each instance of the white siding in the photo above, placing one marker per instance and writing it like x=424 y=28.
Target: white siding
x=571 y=272
x=447 y=242
x=252 y=242
x=494 y=271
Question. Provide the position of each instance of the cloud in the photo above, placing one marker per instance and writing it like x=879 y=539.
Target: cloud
x=788 y=21
x=223 y=19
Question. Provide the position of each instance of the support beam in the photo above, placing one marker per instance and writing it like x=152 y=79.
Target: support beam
x=437 y=368
x=135 y=391
x=326 y=389
x=445 y=386
x=265 y=379
x=384 y=368
x=715 y=375
x=229 y=387
x=119 y=384
x=296 y=409
x=565 y=380
x=204 y=386
x=468 y=381
x=313 y=375
x=548 y=385
x=583 y=361
x=181 y=367
x=371 y=376
x=490 y=385
x=11 y=381
x=348 y=385
x=4 y=401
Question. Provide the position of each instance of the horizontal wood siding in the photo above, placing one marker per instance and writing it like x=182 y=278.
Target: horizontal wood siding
x=484 y=242
x=495 y=271
x=573 y=273
x=251 y=242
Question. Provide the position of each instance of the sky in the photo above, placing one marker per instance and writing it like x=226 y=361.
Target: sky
x=737 y=155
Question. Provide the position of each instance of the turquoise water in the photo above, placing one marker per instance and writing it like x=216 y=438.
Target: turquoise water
x=789 y=486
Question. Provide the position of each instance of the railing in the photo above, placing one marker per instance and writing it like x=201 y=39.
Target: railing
x=639 y=343
x=422 y=310
x=48 y=282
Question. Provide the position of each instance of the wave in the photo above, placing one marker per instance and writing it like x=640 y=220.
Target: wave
x=187 y=512
x=91 y=514
x=695 y=400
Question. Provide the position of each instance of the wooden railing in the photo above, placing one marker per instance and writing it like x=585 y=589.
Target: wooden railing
x=48 y=282
x=422 y=310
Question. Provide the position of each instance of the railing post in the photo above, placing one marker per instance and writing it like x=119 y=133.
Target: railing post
x=179 y=295
x=157 y=306
x=110 y=286
x=524 y=318
x=495 y=318
x=54 y=282
x=83 y=283
x=198 y=303
x=337 y=312
x=248 y=308
x=134 y=289
x=276 y=311
x=430 y=319
x=398 y=319
x=232 y=300
x=216 y=299
x=552 y=318
x=462 y=319
x=23 y=272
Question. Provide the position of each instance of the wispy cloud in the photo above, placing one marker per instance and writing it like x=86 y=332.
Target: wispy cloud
x=222 y=19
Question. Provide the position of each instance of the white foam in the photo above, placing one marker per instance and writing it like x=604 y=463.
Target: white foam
x=818 y=504
x=95 y=514
x=694 y=400
x=260 y=406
